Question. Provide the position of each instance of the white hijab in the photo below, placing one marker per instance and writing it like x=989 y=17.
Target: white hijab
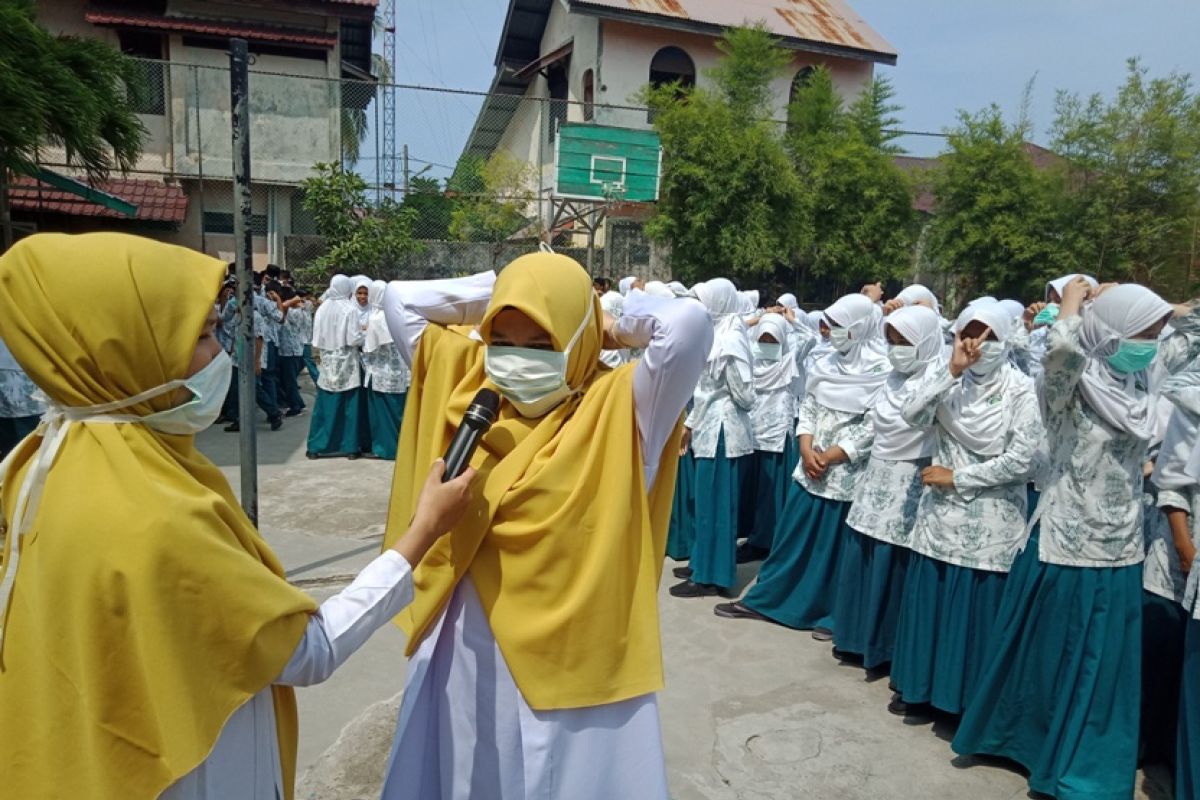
x=364 y=312
x=1015 y=310
x=659 y=289
x=978 y=410
x=788 y=301
x=895 y=439
x=612 y=303
x=1180 y=453
x=333 y=320
x=912 y=294
x=730 y=339
x=849 y=382
x=770 y=376
x=747 y=301
x=378 y=334
x=1059 y=284
x=1125 y=402
x=625 y=284
x=678 y=289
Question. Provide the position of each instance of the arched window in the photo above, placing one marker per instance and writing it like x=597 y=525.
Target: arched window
x=589 y=94
x=671 y=65
x=799 y=82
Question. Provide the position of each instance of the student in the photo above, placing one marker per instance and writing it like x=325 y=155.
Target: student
x=308 y=310
x=1060 y=694
x=262 y=310
x=550 y=692
x=338 y=425
x=883 y=512
x=971 y=517
x=611 y=304
x=291 y=352
x=1177 y=474
x=722 y=440
x=20 y=409
x=1042 y=316
x=776 y=450
x=386 y=380
x=797 y=584
x=269 y=316
x=166 y=670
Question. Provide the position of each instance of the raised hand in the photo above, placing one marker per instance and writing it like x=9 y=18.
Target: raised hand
x=966 y=352
x=874 y=291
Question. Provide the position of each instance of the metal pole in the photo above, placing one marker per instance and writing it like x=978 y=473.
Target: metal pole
x=239 y=90
x=404 y=155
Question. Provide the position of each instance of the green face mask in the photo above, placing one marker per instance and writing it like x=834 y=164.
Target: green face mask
x=1047 y=315
x=1134 y=355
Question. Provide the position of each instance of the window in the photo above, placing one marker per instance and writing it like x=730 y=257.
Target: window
x=149 y=49
x=799 y=82
x=671 y=65
x=589 y=94
x=222 y=222
x=556 y=82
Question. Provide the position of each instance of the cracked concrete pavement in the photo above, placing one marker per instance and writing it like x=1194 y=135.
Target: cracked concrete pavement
x=751 y=711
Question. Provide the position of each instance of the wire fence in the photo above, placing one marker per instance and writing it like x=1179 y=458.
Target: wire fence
x=472 y=178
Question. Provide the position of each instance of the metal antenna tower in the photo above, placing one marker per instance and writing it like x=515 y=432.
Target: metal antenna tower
x=388 y=156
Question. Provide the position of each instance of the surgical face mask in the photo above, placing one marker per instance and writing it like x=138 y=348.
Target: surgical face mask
x=1047 y=316
x=903 y=358
x=840 y=339
x=1134 y=355
x=991 y=356
x=534 y=381
x=208 y=387
x=768 y=351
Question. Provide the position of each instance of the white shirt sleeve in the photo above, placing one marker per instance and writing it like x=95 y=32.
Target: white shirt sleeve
x=345 y=621
x=676 y=336
x=409 y=306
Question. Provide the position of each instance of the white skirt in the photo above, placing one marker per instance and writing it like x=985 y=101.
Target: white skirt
x=466 y=733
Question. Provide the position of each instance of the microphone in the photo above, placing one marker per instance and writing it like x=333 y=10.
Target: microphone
x=479 y=417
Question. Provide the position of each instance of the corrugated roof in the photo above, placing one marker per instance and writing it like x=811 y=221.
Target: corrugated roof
x=824 y=23
x=156 y=201
x=257 y=32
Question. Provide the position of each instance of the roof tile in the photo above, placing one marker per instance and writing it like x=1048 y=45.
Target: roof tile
x=156 y=201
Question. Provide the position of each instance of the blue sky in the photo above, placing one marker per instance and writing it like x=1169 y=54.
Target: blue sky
x=953 y=55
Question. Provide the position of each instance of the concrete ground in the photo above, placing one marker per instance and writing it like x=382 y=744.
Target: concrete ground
x=751 y=711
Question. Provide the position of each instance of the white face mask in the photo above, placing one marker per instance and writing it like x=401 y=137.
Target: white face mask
x=768 y=351
x=903 y=358
x=840 y=339
x=534 y=381
x=209 y=387
x=992 y=355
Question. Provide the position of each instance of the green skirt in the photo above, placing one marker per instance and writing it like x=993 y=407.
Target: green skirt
x=1187 y=759
x=1060 y=692
x=797 y=583
x=385 y=412
x=714 y=552
x=947 y=616
x=681 y=534
x=338 y=426
x=870 y=586
x=1164 y=623
x=772 y=476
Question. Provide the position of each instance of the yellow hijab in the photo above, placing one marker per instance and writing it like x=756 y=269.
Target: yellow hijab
x=563 y=544
x=146 y=608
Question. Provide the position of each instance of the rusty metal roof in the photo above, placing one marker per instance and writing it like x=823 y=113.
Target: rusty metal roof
x=823 y=25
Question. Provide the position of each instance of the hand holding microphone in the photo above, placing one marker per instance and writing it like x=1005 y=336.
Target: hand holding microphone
x=476 y=422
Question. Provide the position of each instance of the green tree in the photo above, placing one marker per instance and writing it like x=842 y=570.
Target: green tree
x=995 y=225
x=729 y=196
x=62 y=91
x=857 y=222
x=493 y=198
x=1133 y=175
x=360 y=238
x=432 y=206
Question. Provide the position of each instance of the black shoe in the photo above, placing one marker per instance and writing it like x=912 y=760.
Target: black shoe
x=294 y=412
x=276 y=423
x=747 y=553
x=903 y=709
x=822 y=634
x=354 y=456
x=311 y=456
x=234 y=428
x=682 y=573
x=691 y=589
x=738 y=610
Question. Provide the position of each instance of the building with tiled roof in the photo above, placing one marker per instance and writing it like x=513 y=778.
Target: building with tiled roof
x=181 y=186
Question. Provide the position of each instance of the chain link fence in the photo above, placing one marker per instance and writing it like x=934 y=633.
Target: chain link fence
x=471 y=179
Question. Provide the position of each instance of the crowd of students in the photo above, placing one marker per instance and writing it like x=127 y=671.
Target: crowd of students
x=1001 y=509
